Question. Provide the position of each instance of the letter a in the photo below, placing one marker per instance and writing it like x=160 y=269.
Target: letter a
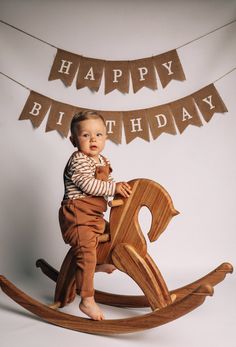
x=186 y=114
x=90 y=75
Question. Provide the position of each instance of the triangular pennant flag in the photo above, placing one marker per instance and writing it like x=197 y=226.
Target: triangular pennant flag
x=169 y=67
x=35 y=108
x=113 y=121
x=160 y=120
x=209 y=102
x=64 y=67
x=116 y=76
x=90 y=73
x=143 y=74
x=60 y=117
x=136 y=125
x=185 y=113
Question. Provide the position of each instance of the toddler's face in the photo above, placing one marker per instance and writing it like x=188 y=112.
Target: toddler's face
x=90 y=137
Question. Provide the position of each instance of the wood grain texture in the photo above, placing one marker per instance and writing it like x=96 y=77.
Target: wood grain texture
x=129 y=261
x=109 y=326
x=138 y=301
x=124 y=225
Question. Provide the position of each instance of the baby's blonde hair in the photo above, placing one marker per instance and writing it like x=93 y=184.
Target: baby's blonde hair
x=84 y=115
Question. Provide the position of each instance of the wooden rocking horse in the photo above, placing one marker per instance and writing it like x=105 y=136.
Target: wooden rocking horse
x=123 y=244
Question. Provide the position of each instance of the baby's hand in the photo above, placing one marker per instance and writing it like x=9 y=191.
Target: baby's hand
x=123 y=189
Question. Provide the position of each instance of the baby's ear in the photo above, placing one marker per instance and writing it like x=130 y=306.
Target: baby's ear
x=72 y=141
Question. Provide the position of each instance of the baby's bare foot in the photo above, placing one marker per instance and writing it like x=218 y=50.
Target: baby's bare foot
x=91 y=309
x=108 y=268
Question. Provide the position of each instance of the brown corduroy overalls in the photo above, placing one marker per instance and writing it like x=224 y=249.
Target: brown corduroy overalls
x=81 y=222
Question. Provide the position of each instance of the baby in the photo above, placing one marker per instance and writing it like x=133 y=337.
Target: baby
x=88 y=181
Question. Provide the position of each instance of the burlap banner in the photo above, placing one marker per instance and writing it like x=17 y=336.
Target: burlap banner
x=90 y=73
x=117 y=73
x=209 y=102
x=143 y=74
x=116 y=76
x=185 y=113
x=136 y=125
x=113 y=121
x=64 y=67
x=169 y=67
x=35 y=109
x=59 y=118
x=159 y=119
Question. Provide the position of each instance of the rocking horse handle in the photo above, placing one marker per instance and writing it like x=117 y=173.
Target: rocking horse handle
x=115 y=203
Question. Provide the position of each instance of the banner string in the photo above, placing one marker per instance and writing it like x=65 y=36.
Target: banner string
x=183 y=45
x=227 y=73
x=22 y=85
x=12 y=79
x=24 y=32
x=204 y=35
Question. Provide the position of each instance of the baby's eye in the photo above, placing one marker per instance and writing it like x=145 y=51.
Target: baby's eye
x=85 y=135
x=99 y=134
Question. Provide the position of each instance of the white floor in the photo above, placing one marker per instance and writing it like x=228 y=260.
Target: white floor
x=210 y=325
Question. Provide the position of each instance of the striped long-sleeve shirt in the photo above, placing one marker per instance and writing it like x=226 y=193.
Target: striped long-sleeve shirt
x=80 y=181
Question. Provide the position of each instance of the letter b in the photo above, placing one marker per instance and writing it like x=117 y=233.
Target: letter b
x=36 y=108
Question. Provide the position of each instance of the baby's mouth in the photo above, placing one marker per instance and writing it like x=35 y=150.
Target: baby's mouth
x=93 y=147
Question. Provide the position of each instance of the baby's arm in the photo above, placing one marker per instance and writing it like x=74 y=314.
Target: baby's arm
x=83 y=177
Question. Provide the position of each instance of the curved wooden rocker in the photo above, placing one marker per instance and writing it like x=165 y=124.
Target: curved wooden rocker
x=138 y=301
x=123 y=244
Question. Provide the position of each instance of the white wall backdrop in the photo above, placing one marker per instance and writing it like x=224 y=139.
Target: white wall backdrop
x=198 y=168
